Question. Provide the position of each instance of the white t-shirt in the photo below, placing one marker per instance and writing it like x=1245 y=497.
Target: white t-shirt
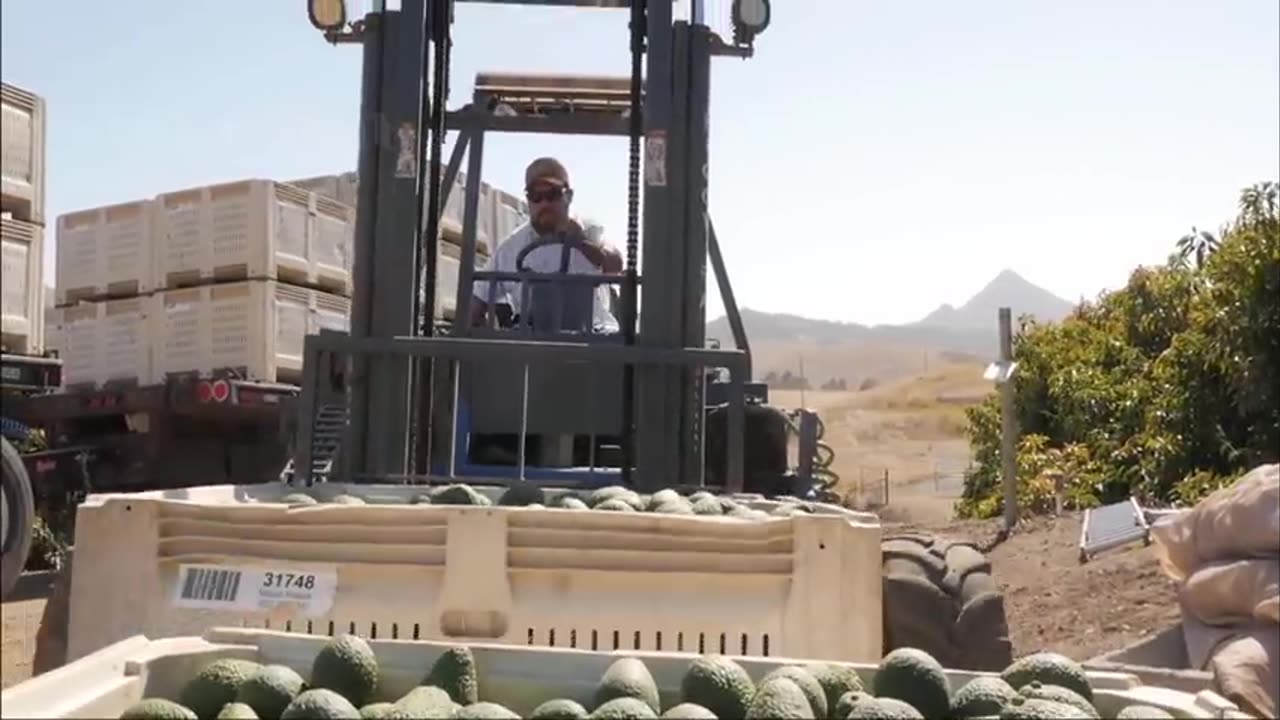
x=545 y=259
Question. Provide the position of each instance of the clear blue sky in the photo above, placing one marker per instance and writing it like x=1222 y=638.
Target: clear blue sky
x=874 y=160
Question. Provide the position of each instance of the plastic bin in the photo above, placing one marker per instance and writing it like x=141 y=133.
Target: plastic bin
x=105 y=343
x=254 y=329
x=106 y=683
x=22 y=153
x=105 y=252
x=488 y=574
x=253 y=229
x=22 y=286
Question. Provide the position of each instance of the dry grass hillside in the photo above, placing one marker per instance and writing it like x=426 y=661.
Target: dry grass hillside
x=913 y=428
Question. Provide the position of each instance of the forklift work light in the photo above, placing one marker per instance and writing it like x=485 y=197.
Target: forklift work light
x=327 y=14
x=751 y=17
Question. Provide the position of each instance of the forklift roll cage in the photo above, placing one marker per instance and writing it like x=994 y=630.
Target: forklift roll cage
x=391 y=366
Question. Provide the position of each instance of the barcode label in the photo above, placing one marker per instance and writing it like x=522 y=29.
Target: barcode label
x=308 y=590
x=211 y=584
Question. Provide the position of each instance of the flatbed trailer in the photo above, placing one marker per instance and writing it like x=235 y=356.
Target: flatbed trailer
x=62 y=444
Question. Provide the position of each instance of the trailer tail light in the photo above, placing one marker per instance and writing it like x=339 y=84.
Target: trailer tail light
x=221 y=390
x=204 y=391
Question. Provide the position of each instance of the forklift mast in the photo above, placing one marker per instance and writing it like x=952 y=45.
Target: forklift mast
x=646 y=384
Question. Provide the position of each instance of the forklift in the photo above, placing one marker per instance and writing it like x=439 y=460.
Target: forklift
x=403 y=397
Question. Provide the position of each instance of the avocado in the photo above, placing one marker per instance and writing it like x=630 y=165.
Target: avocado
x=522 y=494
x=571 y=502
x=320 y=704
x=780 y=697
x=623 y=708
x=383 y=711
x=628 y=677
x=426 y=701
x=298 y=498
x=807 y=683
x=700 y=496
x=216 y=685
x=688 y=711
x=663 y=497
x=914 y=677
x=1034 y=690
x=983 y=695
x=559 y=709
x=836 y=680
x=706 y=506
x=455 y=673
x=346 y=665
x=484 y=711
x=1144 y=712
x=615 y=492
x=457 y=494
x=885 y=709
x=421 y=499
x=675 y=507
x=270 y=690
x=345 y=499
x=157 y=709
x=1050 y=669
x=614 y=505
x=718 y=684
x=1021 y=708
x=237 y=711
x=854 y=701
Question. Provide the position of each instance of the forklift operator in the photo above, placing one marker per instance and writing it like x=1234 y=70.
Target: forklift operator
x=549 y=194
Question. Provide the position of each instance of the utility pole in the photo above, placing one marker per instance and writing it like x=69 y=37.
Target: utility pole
x=1001 y=372
x=1008 y=423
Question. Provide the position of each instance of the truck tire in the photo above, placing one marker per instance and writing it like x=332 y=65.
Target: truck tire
x=51 y=638
x=19 y=517
x=940 y=597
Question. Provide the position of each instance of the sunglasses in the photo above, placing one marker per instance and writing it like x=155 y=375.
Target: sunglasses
x=541 y=196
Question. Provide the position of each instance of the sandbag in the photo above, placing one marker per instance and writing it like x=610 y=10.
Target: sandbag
x=1243 y=670
x=1239 y=521
x=1234 y=592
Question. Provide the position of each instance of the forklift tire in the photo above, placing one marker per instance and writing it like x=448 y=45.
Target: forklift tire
x=19 y=517
x=940 y=597
x=51 y=638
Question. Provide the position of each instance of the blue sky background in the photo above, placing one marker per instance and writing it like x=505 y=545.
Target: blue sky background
x=874 y=160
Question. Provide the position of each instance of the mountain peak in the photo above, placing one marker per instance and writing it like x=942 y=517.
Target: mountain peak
x=1006 y=289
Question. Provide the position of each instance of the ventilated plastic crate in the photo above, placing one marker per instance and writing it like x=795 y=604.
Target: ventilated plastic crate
x=586 y=579
x=105 y=252
x=253 y=229
x=253 y=329
x=106 y=683
x=21 y=286
x=345 y=189
x=105 y=343
x=22 y=154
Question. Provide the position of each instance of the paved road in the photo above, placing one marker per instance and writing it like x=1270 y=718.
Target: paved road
x=22 y=613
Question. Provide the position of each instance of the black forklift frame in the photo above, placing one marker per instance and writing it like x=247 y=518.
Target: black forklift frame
x=386 y=342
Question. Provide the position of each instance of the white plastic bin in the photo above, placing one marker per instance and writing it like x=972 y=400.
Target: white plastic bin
x=105 y=252
x=489 y=574
x=21 y=286
x=22 y=153
x=106 y=683
x=105 y=342
x=254 y=328
x=253 y=229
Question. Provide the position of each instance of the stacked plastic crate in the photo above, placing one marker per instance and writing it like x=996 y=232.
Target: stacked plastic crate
x=217 y=281
x=22 y=163
x=499 y=214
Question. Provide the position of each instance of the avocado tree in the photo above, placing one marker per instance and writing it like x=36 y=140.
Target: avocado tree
x=1164 y=388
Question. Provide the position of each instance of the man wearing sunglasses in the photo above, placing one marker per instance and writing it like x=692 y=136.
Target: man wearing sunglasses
x=549 y=195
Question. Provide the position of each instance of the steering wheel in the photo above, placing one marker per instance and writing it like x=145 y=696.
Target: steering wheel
x=559 y=238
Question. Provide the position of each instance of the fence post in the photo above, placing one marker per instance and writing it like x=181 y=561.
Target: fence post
x=886 y=486
x=1008 y=423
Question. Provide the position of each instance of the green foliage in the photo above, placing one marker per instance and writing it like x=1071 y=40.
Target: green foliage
x=1167 y=388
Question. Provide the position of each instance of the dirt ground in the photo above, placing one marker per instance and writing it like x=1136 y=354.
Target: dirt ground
x=21 y=620
x=914 y=429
